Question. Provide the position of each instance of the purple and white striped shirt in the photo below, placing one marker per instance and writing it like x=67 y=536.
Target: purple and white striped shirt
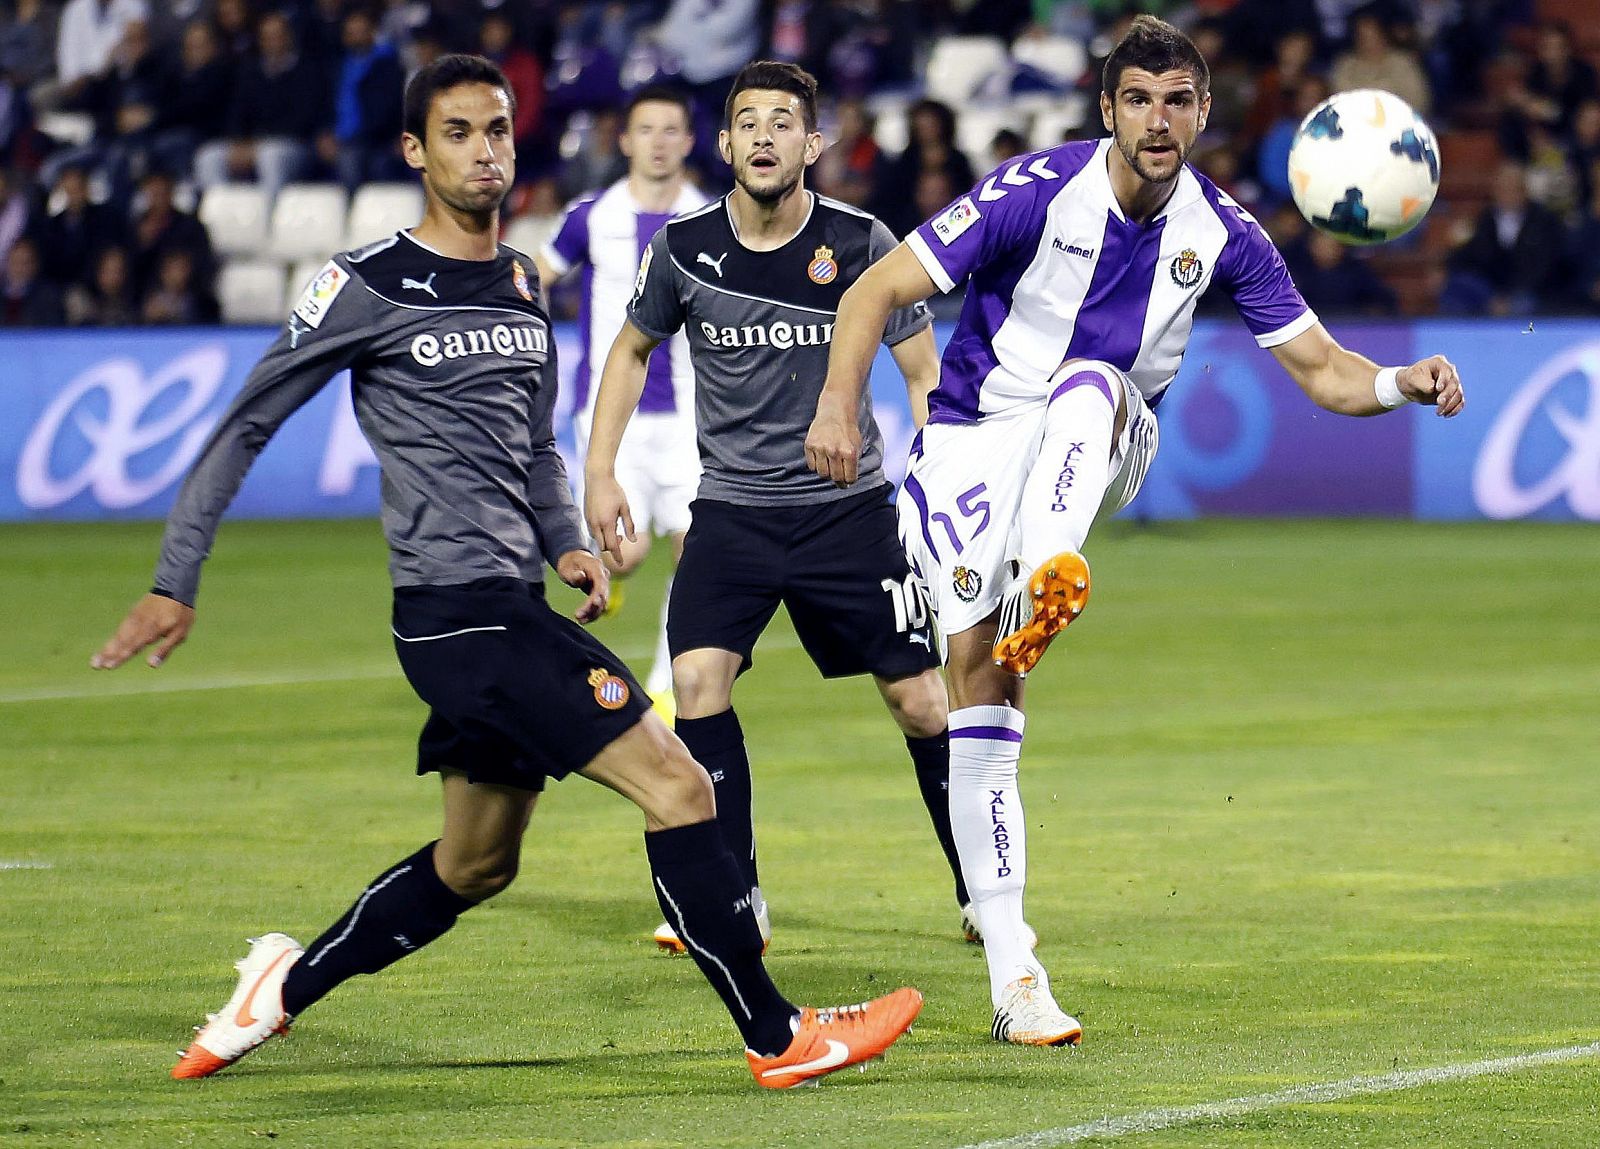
x=1058 y=272
x=607 y=234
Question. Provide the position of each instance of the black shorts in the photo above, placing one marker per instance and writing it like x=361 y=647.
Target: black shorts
x=837 y=566
x=518 y=692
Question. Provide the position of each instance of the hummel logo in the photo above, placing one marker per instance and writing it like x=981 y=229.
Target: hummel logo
x=1072 y=249
x=423 y=285
x=838 y=1053
x=296 y=331
x=714 y=264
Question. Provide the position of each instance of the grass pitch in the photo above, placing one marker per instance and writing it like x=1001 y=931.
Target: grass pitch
x=1306 y=802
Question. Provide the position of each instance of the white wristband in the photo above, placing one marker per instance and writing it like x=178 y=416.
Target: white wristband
x=1387 y=388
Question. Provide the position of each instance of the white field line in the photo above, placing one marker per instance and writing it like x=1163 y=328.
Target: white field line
x=13 y=865
x=1153 y=1120
x=130 y=686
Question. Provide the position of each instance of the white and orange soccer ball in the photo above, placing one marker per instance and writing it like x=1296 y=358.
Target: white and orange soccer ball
x=1364 y=167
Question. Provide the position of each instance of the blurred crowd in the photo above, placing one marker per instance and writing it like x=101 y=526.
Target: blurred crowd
x=117 y=115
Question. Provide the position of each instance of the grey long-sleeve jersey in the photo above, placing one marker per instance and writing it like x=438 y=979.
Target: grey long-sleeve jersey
x=453 y=376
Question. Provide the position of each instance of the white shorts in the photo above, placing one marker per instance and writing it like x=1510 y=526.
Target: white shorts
x=962 y=503
x=658 y=465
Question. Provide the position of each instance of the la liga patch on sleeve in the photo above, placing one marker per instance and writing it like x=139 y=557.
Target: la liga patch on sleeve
x=320 y=293
x=954 y=220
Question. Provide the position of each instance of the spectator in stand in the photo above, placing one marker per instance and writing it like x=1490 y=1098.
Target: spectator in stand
x=497 y=41
x=1584 y=150
x=1233 y=89
x=1515 y=260
x=30 y=300
x=852 y=164
x=1272 y=156
x=1557 y=82
x=598 y=161
x=75 y=235
x=1294 y=58
x=278 y=107
x=1257 y=28
x=28 y=42
x=322 y=32
x=200 y=89
x=17 y=211
x=1374 y=61
x=88 y=33
x=1221 y=164
x=1007 y=144
x=1333 y=280
x=177 y=297
x=1587 y=245
x=710 y=40
x=363 y=144
x=236 y=27
x=107 y=300
x=159 y=227
x=21 y=144
x=932 y=147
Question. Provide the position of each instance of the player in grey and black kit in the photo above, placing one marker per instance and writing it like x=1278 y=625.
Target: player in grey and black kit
x=453 y=375
x=754 y=279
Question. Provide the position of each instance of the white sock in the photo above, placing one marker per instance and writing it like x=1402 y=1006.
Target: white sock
x=659 y=682
x=991 y=834
x=1068 y=482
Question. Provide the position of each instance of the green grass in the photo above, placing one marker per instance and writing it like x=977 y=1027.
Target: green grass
x=1306 y=801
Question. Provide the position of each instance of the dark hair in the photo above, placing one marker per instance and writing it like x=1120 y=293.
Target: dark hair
x=659 y=94
x=943 y=114
x=774 y=76
x=444 y=73
x=1154 y=46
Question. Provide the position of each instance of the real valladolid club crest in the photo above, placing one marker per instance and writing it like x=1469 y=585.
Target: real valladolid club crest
x=609 y=690
x=968 y=583
x=822 y=268
x=519 y=279
x=1187 y=268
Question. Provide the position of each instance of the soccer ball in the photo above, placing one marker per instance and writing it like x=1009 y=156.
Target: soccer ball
x=1364 y=167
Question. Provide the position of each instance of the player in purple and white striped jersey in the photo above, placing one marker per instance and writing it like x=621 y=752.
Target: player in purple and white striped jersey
x=605 y=234
x=1083 y=265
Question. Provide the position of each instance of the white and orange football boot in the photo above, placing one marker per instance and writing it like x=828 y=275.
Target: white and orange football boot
x=1028 y=1015
x=253 y=1014
x=1034 y=612
x=830 y=1039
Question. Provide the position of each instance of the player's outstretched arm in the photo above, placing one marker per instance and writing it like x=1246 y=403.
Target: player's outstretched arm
x=918 y=360
x=621 y=384
x=587 y=573
x=153 y=619
x=833 y=444
x=1340 y=380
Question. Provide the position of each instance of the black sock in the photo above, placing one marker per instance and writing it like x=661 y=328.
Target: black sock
x=404 y=909
x=931 y=757
x=717 y=743
x=707 y=902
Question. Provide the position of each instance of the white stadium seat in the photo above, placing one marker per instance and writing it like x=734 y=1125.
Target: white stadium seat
x=235 y=216
x=377 y=211
x=1061 y=58
x=307 y=222
x=251 y=291
x=975 y=129
x=959 y=64
x=301 y=272
x=1070 y=112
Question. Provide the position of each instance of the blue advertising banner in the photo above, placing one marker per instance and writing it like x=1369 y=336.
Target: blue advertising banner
x=98 y=425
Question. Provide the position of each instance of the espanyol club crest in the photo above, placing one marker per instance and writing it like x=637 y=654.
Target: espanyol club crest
x=1187 y=268
x=609 y=690
x=967 y=582
x=822 y=268
x=519 y=280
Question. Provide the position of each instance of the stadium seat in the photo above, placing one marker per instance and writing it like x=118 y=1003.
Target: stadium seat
x=1061 y=58
x=74 y=129
x=958 y=64
x=377 y=211
x=235 y=216
x=528 y=233
x=891 y=129
x=1068 y=113
x=251 y=291
x=307 y=222
x=975 y=129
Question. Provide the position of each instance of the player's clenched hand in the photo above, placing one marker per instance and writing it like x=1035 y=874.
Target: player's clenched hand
x=154 y=618
x=586 y=572
x=1433 y=381
x=833 y=444
x=604 y=504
